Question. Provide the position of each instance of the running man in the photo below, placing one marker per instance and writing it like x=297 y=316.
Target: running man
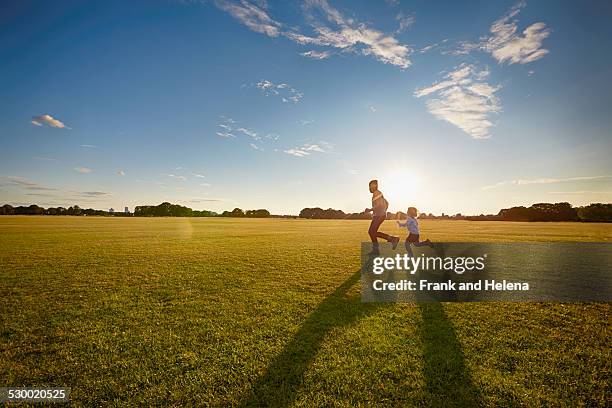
x=379 y=214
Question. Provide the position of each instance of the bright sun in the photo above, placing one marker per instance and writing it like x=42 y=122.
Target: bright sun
x=401 y=187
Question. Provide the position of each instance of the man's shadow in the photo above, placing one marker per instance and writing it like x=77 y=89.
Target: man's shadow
x=284 y=376
x=448 y=382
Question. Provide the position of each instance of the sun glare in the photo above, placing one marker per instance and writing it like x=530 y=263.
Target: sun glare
x=401 y=188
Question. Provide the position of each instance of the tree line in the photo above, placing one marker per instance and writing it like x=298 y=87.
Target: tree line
x=162 y=210
x=597 y=212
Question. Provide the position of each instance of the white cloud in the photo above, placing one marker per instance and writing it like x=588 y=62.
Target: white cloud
x=120 y=173
x=23 y=183
x=198 y=175
x=464 y=100
x=307 y=149
x=248 y=132
x=372 y=109
x=88 y=146
x=506 y=45
x=543 y=180
x=320 y=55
x=226 y=128
x=305 y=122
x=404 y=21
x=580 y=192
x=47 y=120
x=350 y=36
x=345 y=34
x=203 y=200
x=284 y=91
x=94 y=193
x=82 y=170
x=251 y=15
x=232 y=129
x=176 y=177
x=432 y=46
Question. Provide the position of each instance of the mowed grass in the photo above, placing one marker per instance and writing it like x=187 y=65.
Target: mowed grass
x=230 y=312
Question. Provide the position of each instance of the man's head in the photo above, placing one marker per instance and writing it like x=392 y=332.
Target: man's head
x=373 y=185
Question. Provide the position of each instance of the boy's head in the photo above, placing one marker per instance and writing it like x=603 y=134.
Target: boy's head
x=373 y=185
x=412 y=212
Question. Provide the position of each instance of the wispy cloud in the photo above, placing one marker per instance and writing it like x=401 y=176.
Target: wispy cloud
x=333 y=30
x=345 y=34
x=405 y=21
x=464 y=99
x=433 y=46
x=198 y=175
x=307 y=149
x=522 y=182
x=506 y=44
x=231 y=129
x=120 y=173
x=176 y=177
x=83 y=170
x=94 y=193
x=304 y=122
x=255 y=147
x=44 y=158
x=48 y=120
x=320 y=55
x=284 y=91
x=204 y=200
x=581 y=192
x=88 y=146
x=23 y=183
x=226 y=128
x=251 y=15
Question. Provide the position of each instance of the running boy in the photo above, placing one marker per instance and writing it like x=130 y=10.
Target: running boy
x=412 y=224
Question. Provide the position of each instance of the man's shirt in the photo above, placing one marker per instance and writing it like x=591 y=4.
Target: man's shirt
x=379 y=204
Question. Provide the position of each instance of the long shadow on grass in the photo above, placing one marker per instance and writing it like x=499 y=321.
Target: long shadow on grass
x=284 y=376
x=448 y=381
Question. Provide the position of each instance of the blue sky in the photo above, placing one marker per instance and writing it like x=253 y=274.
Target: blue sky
x=454 y=106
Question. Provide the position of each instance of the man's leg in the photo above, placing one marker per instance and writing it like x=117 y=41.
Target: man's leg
x=374 y=233
x=373 y=230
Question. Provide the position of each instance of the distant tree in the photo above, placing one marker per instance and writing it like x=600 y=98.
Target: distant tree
x=236 y=212
x=319 y=213
x=597 y=212
x=258 y=213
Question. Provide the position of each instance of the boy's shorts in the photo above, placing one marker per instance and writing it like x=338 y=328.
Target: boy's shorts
x=413 y=238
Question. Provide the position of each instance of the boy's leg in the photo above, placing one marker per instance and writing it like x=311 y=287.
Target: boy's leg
x=408 y=248
x=427 y=242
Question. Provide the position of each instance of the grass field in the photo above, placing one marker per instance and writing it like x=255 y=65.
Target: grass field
x=225 y=312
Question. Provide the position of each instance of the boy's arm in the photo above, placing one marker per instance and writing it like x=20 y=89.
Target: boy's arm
x=402 y=225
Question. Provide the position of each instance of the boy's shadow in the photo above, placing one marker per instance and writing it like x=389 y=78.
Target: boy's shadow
x=448 y=382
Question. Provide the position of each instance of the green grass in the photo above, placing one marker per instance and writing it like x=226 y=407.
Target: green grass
x=225 y=312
